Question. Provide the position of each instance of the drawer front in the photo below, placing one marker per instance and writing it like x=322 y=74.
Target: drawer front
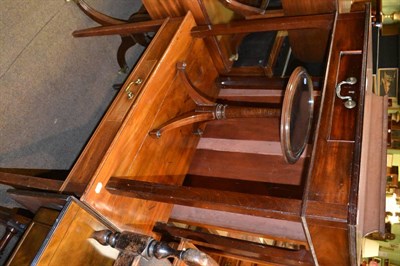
x=130 y=90
x=112 y=121
x=343 y=117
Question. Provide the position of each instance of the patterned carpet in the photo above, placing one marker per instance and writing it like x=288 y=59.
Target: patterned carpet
x=54 y=88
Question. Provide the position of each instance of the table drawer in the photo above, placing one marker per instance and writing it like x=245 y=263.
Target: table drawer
x=344 y=114
x=130 y=91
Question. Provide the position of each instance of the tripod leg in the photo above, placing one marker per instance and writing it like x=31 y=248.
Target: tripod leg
x=183 y=120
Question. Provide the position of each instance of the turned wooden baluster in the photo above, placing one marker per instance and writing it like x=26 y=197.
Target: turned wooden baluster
x=131 y=244
x=208 y=110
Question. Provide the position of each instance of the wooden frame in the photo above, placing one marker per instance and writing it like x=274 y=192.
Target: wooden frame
x=392 y=177
x=388 y=82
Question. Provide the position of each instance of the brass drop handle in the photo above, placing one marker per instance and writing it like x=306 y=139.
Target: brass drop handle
x=349 y=103
x=128 y=91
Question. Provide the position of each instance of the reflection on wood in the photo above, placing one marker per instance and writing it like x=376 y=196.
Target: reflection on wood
x=69 y=242
x=34 y=200
x=33 y=238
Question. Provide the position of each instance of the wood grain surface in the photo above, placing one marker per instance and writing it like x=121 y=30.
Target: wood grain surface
x=134 y=153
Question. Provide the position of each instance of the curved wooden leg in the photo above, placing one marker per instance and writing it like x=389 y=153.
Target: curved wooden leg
x=140 y=16
x=208 y=110
x=183 y=120
x=126 y=43
x=194 y=93
x=142 y=38
x=100 y=18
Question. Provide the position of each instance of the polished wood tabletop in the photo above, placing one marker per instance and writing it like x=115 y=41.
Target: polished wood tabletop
x=136 y=154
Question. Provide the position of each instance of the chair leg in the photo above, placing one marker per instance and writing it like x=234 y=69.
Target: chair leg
x=273 y=57
x=44 y=173
x=126 y=43
x=130 y=40
x=8 y=235
x=142 y=27
x=15 y=220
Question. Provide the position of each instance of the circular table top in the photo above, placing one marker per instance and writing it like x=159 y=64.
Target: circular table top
x=297 y=115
